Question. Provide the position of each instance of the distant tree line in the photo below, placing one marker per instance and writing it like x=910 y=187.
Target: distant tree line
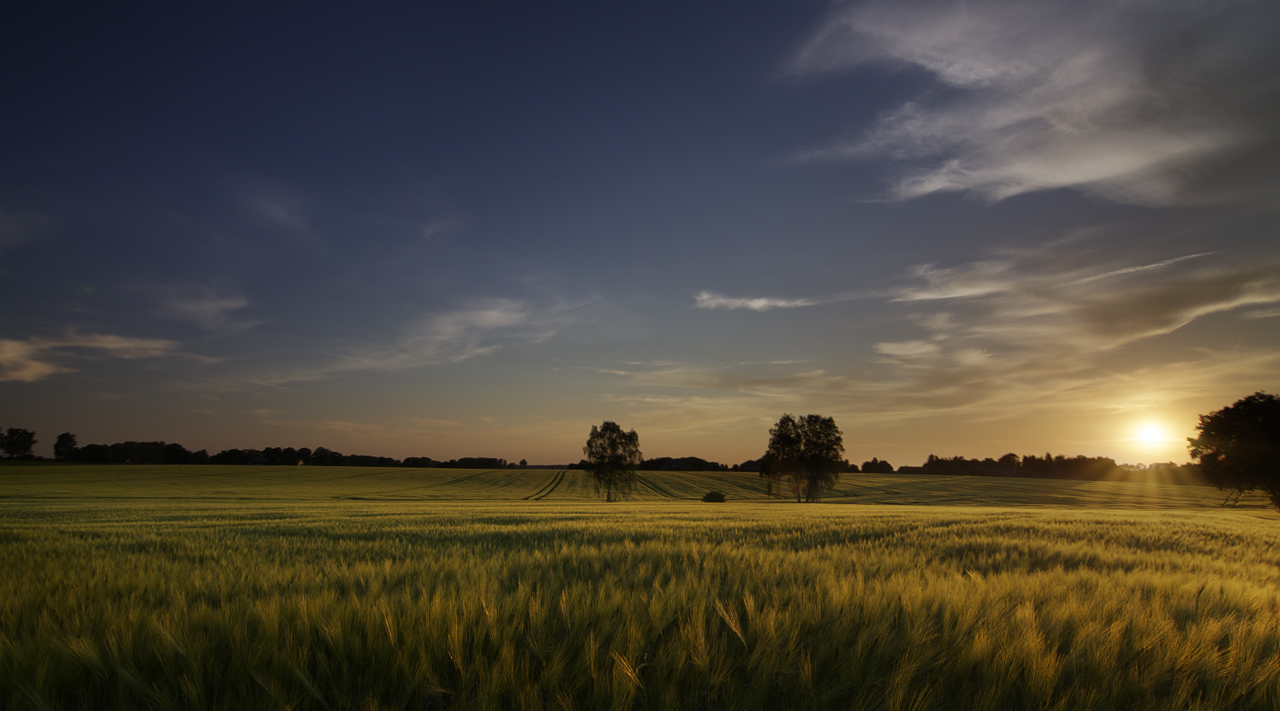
x=1060 y=467
x=134 y=453
x=16 y=443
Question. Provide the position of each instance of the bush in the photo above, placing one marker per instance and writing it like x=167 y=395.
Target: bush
x=713 y=497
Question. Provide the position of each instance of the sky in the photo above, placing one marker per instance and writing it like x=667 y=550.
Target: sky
x=452 y=229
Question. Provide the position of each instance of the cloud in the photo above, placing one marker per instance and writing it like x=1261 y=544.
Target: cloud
x=908 y=349
x=755 y=380
x=1143 y=102
x=19 y=227
x=1107 y=307
x=283 y=209
x=30 y=360
x=1262 y=313
x=428 y=422
x=276 y=206
x=708 y=300
x=1141 y=268
x=1004 y=334
x=1061 y=328
x=210 y=309
x=23 y=361
x=431 y=229
x=479 y=328
x=977 y=280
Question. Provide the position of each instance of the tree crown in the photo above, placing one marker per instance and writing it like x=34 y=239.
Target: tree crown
x=613 y=456
x=1239 y=445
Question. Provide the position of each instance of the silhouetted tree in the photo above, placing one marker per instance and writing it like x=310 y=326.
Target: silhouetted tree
x=782 y=460
x=235 y=456
x=1239 y=446
x=323 y=457
x=875 y=466
x=17 y=442
x=94 y=454
x=175 y=453
x=613 y=456
x=480 y=463
x=420 y=462
x=807 y=452
x=137 y=453
x=64 y=448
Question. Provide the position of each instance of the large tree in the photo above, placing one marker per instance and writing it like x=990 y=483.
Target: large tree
x=17 y=442
x=805 y=451
x=64 y=449
x=1239 y=446
x=613 y=456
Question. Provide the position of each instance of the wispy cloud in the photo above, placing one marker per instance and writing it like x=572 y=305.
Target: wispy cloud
x=1037 y=330
x=1152 y=103
x=763 y=381
x=281 y=208
x=1262 y=313
x=1106 y=307
x=26 y=362
x=1003 y=335
x=432 y=229
x=276 y=206
x=479 y=328
x=19 y=227
x=36 y=359
x=210 y=308
x=711 y=300
x=708 y=300
x=1141 y=268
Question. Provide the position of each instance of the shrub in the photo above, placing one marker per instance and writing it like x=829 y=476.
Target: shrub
x=713 y=497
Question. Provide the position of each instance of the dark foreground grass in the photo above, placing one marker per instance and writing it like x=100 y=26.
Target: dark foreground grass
x=268 y=604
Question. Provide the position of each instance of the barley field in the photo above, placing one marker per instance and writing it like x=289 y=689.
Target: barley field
x=282 y=588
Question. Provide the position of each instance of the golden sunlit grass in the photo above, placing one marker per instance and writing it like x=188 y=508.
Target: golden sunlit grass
x=280 y=596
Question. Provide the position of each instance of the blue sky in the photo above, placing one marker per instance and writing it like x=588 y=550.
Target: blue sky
x=476 y=229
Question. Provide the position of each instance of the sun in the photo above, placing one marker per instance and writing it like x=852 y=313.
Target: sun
x=1150 y=434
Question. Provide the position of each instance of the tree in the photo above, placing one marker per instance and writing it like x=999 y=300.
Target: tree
x=876 y=466
x=613 y=456
x=1010 y=460
x=1239 y=446
x=805 y=451
x=64 y=448
x=17 y=442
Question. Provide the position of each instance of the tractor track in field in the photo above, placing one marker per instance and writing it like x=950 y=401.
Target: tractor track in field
x=546 y=490
x=661 y=491
x=551 y=483
x=463 y=478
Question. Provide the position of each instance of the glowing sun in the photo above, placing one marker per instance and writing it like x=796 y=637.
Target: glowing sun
x=1150 y=434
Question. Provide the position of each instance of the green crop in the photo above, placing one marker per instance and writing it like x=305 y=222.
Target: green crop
x=204 y=591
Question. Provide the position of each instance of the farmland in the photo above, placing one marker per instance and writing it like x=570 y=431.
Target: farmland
x=317 y=588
